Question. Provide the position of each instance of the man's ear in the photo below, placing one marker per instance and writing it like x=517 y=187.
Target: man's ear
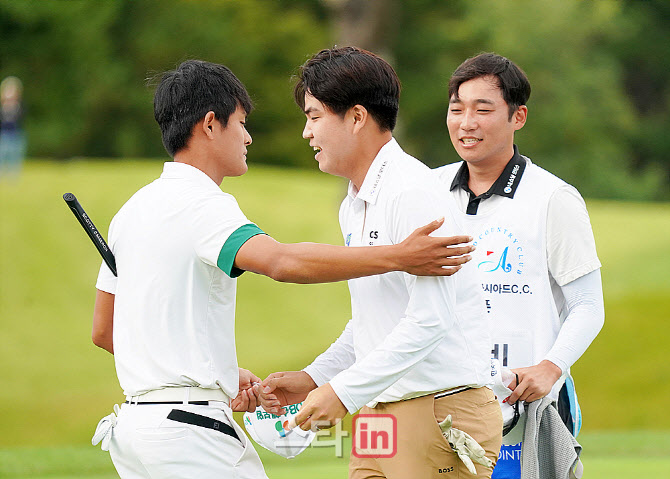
x=519 y=117
x=360 y=117
x=207 y=124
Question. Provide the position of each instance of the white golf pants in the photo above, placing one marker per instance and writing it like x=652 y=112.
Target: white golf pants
x=146 y=444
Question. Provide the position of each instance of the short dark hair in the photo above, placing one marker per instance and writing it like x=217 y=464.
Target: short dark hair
x=341 y=78
x=512 y=80
x=185 y=95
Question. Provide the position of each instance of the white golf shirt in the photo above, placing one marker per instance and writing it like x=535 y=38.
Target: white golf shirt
x=409 y=336
x=175 y=242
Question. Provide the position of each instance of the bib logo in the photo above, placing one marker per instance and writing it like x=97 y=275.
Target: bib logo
x=502 y=263
x=281 y=428
x=348 y=240
x=503 y=251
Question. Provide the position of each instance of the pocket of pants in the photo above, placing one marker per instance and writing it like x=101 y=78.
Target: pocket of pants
x=489 y=405
x=161 y=434
x=161 y=449
x=236 y=446
x=475 y=411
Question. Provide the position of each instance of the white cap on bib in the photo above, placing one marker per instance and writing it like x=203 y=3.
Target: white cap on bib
x=271 y=431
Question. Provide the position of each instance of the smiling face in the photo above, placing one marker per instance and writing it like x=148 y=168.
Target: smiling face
x=331 y=136
x=479 y=125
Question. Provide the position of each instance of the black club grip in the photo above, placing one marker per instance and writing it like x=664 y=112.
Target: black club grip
x=93 y=233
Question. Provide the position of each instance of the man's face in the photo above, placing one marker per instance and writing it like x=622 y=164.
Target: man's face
x=331 y=137
x=232 y=144
x=479 y=124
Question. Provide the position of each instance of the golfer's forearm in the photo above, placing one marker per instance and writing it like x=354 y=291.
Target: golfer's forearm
x=319 y=263
x=314 y=262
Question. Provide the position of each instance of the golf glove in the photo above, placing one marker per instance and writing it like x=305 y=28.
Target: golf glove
x=465 y=446
x=104 y=430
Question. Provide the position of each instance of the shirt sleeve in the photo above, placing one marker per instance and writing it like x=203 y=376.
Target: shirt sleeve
x=571 y=248
x=585 y=319
x=232 y=245
x=106 y=280
x=427 y=319
x=338 y=357
x=220 y=229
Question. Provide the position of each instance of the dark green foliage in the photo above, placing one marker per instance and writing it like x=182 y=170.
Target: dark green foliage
x=84 y=65
x=599 y=110
x=588 y=62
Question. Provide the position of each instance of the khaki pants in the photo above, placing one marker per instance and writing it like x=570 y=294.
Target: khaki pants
x=422 y=451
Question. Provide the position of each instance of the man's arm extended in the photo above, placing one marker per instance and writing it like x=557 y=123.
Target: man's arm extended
x=420 y=255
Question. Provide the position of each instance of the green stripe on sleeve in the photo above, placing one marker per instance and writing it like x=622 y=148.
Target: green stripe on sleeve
x=232 y=245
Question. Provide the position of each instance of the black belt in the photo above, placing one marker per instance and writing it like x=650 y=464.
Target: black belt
x=203 y=421
x=452 y=392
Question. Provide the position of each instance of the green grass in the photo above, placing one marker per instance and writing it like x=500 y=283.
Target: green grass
x=622 y=377
x=609 y=455
x=56 y=384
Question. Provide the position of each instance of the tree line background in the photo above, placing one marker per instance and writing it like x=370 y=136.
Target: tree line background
x=599 y=112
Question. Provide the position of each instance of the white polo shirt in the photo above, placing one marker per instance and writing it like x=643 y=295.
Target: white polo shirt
x=175 y=242
x=410 y=335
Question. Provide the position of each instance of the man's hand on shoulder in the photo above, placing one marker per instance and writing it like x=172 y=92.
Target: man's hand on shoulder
x=425 y=255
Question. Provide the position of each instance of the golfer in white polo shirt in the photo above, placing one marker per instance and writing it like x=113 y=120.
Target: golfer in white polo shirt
x=168 y=318
x=416 y=349
x=536 y=258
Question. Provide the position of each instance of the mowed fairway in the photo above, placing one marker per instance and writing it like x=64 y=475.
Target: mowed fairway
x=56 y=384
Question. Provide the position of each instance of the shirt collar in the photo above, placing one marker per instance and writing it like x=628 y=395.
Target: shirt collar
x=505 y=185
x=375 y=175
x=178 y=170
